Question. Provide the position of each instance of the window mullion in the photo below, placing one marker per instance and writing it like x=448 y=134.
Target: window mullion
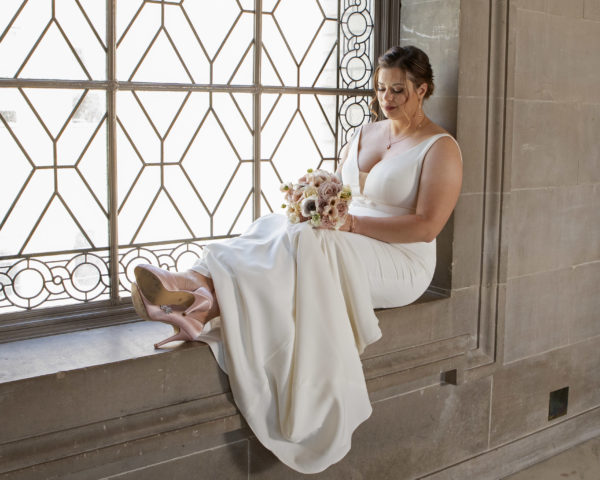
x=111 y=139
x=256 y=80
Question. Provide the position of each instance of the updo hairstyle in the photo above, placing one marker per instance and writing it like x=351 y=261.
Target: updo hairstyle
x=413 y=61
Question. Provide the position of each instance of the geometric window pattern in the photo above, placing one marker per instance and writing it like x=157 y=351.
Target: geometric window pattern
x=209 y=118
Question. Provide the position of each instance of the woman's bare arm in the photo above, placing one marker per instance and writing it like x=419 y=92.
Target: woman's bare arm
x=439 y=188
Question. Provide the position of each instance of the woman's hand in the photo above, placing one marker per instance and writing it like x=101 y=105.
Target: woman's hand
x=348 y=225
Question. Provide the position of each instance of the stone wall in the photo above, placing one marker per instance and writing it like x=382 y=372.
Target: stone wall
x=521 y=320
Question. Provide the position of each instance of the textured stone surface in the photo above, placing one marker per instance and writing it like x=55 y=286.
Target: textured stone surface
x=566 y=68
x=585 y=317
x=521 y=390
x=75 y=350
x=581 y=462
x=553 y=228
x=539 y=5
x=589 y=126
x=572 y=8
x=228 y=462
x=407 y=436
x=466 y=263
x=591 y=9
x=100 y=392
x=512 y=457
x=471 y=138
x=473 y=49
x=442 y=110
x=542 y=154
x=538 y=308
x=434 y=27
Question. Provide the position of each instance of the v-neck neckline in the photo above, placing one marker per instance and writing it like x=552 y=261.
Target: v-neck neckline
x=387 y=158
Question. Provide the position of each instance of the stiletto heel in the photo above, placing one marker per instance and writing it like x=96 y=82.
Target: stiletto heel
x=186 y=327
x=179 y=335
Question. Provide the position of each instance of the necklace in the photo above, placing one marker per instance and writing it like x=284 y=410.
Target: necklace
x=390 y=143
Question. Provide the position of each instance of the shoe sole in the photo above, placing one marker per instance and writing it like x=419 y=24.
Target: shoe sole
x=153 y=290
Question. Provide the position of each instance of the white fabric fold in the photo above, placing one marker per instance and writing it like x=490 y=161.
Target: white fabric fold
x=294 y=366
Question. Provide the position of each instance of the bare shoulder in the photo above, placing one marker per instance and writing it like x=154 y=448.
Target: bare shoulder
x=444 y=153
x=445 y=146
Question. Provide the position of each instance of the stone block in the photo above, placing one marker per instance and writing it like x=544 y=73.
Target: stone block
x=130 y=456
x=538 y=5
x=553 y=228
x=407 y=436
x=100 y=393
x=585 y=318
x=442 y=276
x=522 y=389
x=471 y=133
x=538 y=309
x=542 y=155
x=77 y=350
x=473 y=48
x=589 y=159
x=422 y=323
x=582 y=210
x=591 y=9
x=570 y=45
x=581 y=460
x=462 y=319
x=572 y=8
x=466 y=258
x=443 y=111
x=434 y=27
x=512 y=457
x=227 y=462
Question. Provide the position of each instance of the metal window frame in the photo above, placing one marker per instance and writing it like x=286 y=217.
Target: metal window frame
x=118 y=310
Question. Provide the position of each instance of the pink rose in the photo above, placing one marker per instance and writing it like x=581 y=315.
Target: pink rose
x=328 y=190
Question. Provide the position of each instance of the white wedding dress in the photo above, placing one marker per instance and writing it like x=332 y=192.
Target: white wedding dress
x=297 y=310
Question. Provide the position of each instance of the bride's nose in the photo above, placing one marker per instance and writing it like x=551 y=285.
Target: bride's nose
x=388 y=94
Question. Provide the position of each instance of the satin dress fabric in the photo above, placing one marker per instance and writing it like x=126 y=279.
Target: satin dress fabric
x=297 y=311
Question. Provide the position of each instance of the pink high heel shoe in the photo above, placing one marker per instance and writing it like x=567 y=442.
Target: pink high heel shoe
x=160 y=288
x=186 y=327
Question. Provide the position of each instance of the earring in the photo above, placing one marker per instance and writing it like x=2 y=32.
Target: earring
x=420 y=115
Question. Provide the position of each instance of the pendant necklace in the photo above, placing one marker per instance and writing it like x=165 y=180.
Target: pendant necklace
x=390 y=143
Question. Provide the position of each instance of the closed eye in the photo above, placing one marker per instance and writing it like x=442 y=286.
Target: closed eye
x=396 y=92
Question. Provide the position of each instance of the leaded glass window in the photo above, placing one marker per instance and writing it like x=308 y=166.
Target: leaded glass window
x=139 y=130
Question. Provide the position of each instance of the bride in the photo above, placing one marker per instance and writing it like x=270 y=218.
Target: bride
x=287 y=308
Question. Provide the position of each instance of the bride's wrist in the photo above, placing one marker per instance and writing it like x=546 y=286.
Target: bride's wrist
x=352 y=226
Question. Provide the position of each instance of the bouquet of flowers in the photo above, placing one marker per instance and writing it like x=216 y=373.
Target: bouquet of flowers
x=319 y=197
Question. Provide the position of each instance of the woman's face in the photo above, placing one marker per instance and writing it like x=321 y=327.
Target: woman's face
x=393 y=95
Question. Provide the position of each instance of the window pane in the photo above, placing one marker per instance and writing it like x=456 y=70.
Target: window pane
x=303 y=43
x=181 y=42
x=67 y=44
x=54 y=196
x=184 y=162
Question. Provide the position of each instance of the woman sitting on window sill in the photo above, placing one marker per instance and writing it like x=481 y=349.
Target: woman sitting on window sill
x=288 y=308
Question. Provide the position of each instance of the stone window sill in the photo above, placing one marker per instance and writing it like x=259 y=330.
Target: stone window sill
x=35 y=357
